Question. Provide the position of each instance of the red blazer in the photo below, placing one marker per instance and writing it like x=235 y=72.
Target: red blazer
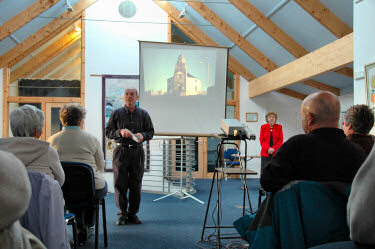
x=264 y=138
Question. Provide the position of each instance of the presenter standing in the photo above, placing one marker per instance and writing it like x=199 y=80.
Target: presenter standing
x=271 y=139
x=129 y=126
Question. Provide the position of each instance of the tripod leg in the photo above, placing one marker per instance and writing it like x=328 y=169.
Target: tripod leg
x=187 y=195
x=218 y=209
x=165 y=196
x=248 y=196
x=208 y=205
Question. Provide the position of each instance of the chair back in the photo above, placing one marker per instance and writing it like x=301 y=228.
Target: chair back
x=79 y=186
x=228 y=154
x=45 y=214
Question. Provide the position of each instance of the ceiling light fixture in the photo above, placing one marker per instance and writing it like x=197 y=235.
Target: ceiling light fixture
x=183 y=12
x=127 y=9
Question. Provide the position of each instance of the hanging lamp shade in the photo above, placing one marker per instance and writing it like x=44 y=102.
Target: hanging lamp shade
x=127 y=9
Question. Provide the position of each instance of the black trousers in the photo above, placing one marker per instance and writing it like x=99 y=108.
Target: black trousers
x=128 y=169
x=263 y=162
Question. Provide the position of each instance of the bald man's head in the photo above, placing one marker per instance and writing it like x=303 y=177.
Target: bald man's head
x=321 y=109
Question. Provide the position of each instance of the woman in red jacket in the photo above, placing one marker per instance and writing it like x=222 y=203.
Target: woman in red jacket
x=271 y=139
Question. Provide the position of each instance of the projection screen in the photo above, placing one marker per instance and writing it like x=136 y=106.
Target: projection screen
x=183 y=87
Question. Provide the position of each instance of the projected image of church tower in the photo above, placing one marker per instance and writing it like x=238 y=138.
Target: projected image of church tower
x=182 y=83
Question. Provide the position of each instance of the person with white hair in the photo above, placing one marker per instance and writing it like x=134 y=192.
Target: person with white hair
x=15 y=194
x=26 y=123
x=129 y=126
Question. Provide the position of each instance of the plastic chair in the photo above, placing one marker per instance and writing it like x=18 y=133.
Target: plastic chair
x=79 y=193
x=229 y=159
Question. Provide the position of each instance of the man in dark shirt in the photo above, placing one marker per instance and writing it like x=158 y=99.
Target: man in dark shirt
x=322 y=154
x=126 y=125
x=358 y=121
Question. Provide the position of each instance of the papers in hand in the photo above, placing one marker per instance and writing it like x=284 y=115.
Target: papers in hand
x=134 y=137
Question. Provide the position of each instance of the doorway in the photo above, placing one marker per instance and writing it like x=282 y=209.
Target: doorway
x=52 y=118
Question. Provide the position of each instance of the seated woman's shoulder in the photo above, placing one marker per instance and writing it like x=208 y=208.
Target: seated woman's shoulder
x=89 y=135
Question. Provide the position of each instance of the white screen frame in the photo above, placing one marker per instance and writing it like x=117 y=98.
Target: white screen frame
x=213 y=105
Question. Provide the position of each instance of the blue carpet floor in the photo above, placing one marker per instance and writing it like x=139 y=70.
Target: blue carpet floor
x=174 y=223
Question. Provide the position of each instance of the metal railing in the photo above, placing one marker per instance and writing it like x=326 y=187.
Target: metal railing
x=170 y=164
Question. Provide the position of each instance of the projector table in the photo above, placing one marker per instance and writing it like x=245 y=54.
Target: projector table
x=218 y=174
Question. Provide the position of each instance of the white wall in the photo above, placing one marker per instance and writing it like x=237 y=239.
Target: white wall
x=1 y=101
x=287 y=108
x=112 y=48
x=364 y=49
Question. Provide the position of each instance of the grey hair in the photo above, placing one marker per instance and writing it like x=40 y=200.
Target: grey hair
x=25 y=119
x=132 y=89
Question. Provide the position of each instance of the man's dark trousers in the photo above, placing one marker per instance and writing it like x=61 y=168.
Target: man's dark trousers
x=128 y=169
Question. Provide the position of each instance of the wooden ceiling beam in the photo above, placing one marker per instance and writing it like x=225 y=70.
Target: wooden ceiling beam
x=325 y=17
x=66 y=68
x=242 y=43
x=328 y=58
x=43 y=41
x=346 y=71
x=70 y=52
x=75 y=74
x=233 y=35
x=45 y=56
x=330 y=21
x=24 y=17
x=198 y=36
x=292 y=93
x=323 y=87
x=17 y=53
x=269 y=27
x=276 y=33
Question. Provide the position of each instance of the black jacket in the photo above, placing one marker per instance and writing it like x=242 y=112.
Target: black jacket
x=322 y=155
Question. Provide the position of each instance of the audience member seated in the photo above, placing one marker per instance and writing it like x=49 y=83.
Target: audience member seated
x=45 y=215
x=326 y=163
x=26 y=123
x=322 y=154
x=74 y=145
x=361 y=204
x=360 y=209
x=358 y=121
x=300 y=215
x=15 y=193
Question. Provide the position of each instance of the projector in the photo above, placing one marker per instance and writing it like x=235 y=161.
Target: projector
x=249 y=133
x=232 y=127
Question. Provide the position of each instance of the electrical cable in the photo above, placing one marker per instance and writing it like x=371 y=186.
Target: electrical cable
x=123 y=21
